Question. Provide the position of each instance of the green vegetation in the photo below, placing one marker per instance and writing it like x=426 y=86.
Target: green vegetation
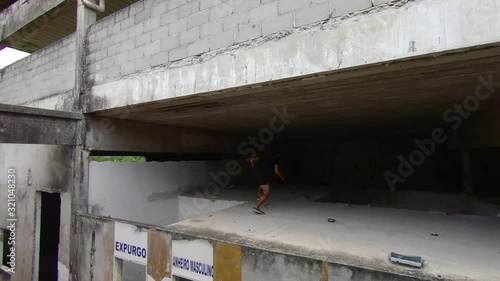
x=118 y=158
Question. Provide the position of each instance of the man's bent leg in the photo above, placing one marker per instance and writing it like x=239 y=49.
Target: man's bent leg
x=265 y=195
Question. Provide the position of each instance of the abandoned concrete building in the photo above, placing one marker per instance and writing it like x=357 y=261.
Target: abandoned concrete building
x=385 y=113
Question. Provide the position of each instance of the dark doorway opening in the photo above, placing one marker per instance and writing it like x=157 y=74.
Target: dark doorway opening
x=50 y=218
x=6 y=247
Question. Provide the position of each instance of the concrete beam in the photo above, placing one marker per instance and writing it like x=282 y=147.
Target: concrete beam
x=21 y=13
x=37 y=126
x=105 y=134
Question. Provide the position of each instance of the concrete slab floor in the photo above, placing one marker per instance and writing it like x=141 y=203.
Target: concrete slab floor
x=466 y=248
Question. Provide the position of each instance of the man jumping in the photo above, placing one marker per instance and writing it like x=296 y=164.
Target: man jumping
x=263 y=168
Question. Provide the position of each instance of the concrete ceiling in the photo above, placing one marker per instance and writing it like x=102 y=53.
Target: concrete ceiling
x=55 y=26
x=400 y=99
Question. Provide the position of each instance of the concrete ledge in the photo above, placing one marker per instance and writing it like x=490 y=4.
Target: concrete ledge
x=360 y=239
x=7 y=108
x=377 y=36
x=256 y=261
x=37 y=126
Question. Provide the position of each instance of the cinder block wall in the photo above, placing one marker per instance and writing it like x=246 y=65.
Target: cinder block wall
x=155 y=32
x=44 y=79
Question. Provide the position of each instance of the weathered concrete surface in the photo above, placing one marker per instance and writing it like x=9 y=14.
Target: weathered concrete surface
x=65 y=237
x=264 y=265
x=38 y=168
x=80 y=188
x=96 y=251
x=231 y=261
x=45 y=79
x=43 y=113
x=415 y=96
x=159 y=256
x=106 y=134
x=36 y=126
x=45 y=167
x=361 y=237
x=22 y=13
x=339 y=44
x=151 y=33
x=227 y=262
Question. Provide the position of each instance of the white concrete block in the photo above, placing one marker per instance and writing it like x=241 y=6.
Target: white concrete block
x=248 y=32
x=285 y=6
x=312 y=14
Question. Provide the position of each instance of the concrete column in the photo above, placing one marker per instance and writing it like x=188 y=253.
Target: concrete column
x=465 y=159
x=85 y=17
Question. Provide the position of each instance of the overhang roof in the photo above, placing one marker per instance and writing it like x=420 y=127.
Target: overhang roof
x=54 y=26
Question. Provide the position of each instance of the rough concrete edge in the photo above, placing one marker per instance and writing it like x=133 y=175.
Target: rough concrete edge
x=443 y=53
x=329 y=24
x=177 y=232
x=291 y=250
x=296 y=252
x=24 y=110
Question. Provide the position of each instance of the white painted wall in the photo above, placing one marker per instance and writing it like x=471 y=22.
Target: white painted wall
x=148 y=192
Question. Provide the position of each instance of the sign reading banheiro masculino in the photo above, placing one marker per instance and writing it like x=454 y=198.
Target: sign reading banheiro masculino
x=193 y=260
x=131 y=244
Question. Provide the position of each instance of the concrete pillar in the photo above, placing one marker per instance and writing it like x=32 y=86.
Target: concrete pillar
x=465 y=159
x=85 y=17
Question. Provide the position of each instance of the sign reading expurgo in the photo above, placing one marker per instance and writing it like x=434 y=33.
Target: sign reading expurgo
x=131 y=244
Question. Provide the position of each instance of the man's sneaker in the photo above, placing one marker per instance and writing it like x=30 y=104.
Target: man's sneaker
x=258 y=211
